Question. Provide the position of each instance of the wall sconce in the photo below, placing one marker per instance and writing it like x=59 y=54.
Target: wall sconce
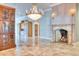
x=53 y=15
x=72 y=11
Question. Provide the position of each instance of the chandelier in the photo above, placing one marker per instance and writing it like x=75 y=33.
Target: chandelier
x=34 y=13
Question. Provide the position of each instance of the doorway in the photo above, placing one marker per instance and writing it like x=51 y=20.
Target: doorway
x=33 y=33
x=29 y=34
x=36 y=30
x=30 y=29
x=23 y=32
x=36 y=33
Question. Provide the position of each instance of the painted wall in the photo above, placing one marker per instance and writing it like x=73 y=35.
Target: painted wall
x=45 y=32
x=77 y=23
x=62 y=13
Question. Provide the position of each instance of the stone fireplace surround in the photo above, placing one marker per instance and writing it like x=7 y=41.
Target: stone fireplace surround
x=67 y=27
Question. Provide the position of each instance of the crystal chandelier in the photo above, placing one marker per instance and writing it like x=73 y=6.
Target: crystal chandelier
x=34 y=13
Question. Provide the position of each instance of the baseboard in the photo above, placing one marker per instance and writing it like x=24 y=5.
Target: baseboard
x=47 y=38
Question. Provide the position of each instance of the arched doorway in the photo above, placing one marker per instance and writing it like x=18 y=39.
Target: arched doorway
x=23 y=32
x=29 y=31
x=36 y=33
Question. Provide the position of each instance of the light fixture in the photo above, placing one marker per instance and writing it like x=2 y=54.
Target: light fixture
x=72 y=11
x=34 y=13
x=53 y=15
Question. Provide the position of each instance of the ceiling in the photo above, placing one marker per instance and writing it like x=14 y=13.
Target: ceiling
x=22 y=7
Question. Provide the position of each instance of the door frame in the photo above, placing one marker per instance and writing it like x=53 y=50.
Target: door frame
x=33 y=29
x=36 y=23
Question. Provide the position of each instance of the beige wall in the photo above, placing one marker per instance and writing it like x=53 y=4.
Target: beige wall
x=77 y=23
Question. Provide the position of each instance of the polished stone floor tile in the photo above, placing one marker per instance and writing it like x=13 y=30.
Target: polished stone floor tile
x=53 y=49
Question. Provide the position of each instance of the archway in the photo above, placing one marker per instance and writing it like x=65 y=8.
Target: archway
x=23 y=32
x=36 y=33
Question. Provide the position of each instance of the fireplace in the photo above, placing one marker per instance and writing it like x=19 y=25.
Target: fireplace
x=65 y=33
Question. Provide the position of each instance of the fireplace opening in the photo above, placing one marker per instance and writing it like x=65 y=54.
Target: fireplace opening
x=61 y=35
x=64 y=35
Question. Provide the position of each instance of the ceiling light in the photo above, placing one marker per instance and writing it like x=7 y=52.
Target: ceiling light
x=34 y=13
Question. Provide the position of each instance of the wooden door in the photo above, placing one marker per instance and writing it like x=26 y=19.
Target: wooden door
x=36 y=34
x=29 y=34
x=29 y=29
x=36 y=30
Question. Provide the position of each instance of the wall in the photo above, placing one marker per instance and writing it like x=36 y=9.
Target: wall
x=62 y=13
x=77 y=23
x=45 y=26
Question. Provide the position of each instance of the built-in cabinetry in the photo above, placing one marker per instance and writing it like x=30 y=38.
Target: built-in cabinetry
x=7 y=27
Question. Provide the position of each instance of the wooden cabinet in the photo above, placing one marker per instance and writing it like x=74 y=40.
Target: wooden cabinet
x=7 y=27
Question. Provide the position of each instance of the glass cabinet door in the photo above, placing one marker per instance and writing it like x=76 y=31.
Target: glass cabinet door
x=11 y=13
x=11 y=27
x=5 y=27
x=5 y=41
x=1 y=26
x=5 y=20
x=5 y=35
x=5 y=14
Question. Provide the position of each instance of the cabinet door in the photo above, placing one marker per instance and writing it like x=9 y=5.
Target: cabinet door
x=11 y=41
x=1 y=27
x=11 y=27
x=1 y=13
x=12 y=15
x=1 y=42
x=5 y=14
x=5 y=27
x=5 y=41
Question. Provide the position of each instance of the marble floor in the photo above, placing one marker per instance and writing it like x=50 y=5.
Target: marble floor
x=50 y=49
